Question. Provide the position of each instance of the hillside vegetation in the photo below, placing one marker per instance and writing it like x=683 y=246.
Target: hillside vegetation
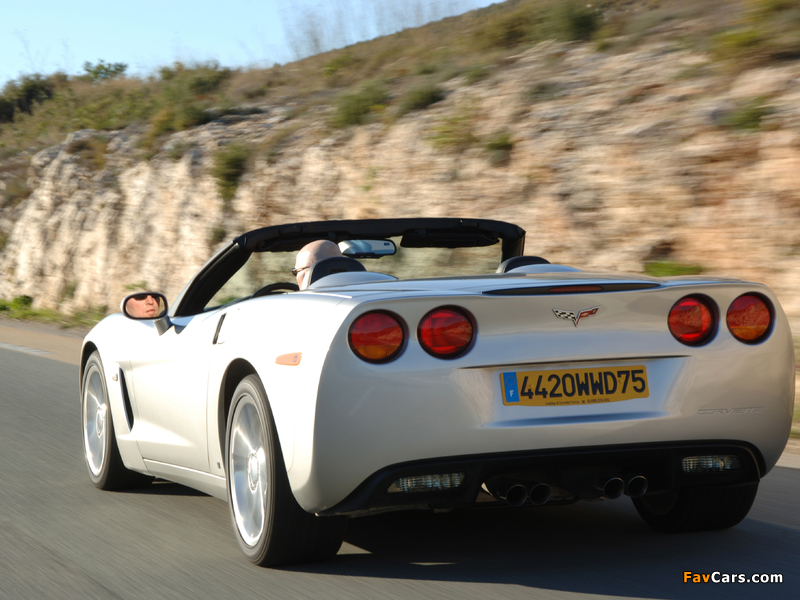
x=37 y=110
x=258 y=114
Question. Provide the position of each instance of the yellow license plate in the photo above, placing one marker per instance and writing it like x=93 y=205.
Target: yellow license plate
x=566 y=387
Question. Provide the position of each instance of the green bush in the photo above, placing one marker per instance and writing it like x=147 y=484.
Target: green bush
x=91 y=152
x=23 y=94
x=734 y=43
x=216 y=236
x=421 y=97
x=355 y=108
x=456 y=132
x=16 y=191
x=508 y=29
x=476 y=73
x=747 y=115
x=499 y=147
x=230 y=164
x=575 y=21
x=103 y=70
x=543 y=90
x=670 y=269
x=340 y=63
x=21 y=302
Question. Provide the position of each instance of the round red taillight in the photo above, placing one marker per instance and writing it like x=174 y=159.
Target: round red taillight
x=691 y=320
x=446 y=332
x=377 y=336
x=749 y=318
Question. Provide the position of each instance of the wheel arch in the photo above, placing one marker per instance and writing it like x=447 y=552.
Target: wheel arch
x=237 y=370
x=86 y=352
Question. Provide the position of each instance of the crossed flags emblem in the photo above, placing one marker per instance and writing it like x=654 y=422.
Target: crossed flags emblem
x=569 y=315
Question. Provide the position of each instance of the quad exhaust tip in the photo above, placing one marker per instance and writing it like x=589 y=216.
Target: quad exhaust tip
x=613 y=488
x=516 y=494
x=636 y=486
x=539 y=494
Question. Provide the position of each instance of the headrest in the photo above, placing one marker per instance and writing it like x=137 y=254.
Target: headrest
x=334 y=264
x=520 y=261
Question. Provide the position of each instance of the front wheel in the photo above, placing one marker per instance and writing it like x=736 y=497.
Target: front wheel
x=271 y=528
x=697 y=507
x=100 y=450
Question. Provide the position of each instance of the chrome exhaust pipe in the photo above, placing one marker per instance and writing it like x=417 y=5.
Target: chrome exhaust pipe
x=613 y=488
x=539 y=494
x=636 y=486
x=513 y=494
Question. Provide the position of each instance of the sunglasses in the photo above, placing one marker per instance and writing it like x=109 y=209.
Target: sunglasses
x=296 y=271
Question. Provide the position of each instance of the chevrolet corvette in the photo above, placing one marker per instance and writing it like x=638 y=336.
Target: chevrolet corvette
x=435 y=365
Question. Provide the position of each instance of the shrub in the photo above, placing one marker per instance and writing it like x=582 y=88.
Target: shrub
x=499 y=147
x=23 y=94
x=230 y=164
x=177 y=151
x=426 y=69
x=543 y=90
x=575 y=22
x=216 y=236
x=455 y=132
x=747 y=115
x=355 y=108
x=271 y=149
x=103 y=70
x=16 y=191
x=734 y=43
x=21 y=302
x=476 y=73
x=508 y=29
x=420 y=98
x=340 y=63
x=670 y=269
x=91 y=152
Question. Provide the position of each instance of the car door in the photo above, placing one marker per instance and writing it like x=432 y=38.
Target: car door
x=170 y=384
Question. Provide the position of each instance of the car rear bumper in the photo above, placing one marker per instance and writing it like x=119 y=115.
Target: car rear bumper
x=571 y=473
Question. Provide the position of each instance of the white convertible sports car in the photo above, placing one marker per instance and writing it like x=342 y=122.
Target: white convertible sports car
x=436 y=379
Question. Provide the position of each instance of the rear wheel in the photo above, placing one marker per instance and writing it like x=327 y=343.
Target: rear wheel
x=271 y=527
x=106 y=469
x=697 y=507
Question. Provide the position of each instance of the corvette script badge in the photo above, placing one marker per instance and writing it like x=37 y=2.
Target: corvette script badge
x=568 y=315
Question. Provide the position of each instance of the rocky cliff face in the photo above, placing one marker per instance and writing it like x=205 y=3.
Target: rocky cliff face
x=617 y=160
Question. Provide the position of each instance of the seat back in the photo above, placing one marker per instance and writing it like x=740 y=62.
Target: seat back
x=521 y=261
x=334 y=264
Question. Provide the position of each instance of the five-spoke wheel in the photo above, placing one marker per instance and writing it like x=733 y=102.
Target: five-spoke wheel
x=100 y=450
x=270 y=525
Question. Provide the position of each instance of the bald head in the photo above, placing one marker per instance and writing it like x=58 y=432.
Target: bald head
x=310 y=254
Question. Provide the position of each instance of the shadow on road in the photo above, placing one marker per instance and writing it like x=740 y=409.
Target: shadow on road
x=594 y=548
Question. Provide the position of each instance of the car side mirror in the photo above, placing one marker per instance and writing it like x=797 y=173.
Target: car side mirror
x=147 y=306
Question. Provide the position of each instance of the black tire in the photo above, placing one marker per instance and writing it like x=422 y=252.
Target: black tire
x=100 y=450
x=697 y=507
x=270 y=526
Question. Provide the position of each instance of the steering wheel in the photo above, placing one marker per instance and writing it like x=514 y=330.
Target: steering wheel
x=281 y=286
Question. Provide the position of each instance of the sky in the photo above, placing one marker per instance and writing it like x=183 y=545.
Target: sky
x=44 y=36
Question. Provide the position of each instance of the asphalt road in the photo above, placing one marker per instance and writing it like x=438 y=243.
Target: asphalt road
x=62 y=538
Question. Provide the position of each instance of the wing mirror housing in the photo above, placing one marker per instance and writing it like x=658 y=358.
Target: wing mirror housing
x=148 y=306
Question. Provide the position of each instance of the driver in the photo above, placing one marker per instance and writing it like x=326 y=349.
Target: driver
x=309 y=255
x=144 y=306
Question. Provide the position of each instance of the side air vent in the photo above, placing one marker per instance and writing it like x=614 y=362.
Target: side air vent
x=126 y=400
x=572 y=289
